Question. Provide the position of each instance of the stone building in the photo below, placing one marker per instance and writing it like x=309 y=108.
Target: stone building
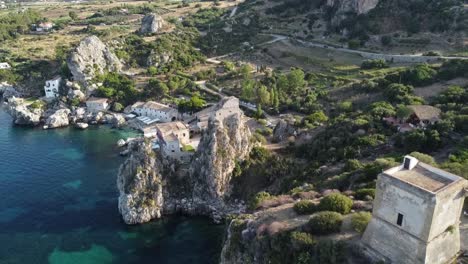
x=159 y=112
x=95 y=104
x=416 y=215
x=226 y=107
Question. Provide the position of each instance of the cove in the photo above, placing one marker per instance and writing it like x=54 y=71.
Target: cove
x=58 y=204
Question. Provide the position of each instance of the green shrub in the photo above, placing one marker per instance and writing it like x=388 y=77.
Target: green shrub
x=305 y=207
x=362 y=193
x=302 y=240
x=336 y=202
x=258 y=199
x=326 y=222
x=360 y=220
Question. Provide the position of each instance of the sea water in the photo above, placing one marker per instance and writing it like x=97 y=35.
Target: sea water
x=58 y=204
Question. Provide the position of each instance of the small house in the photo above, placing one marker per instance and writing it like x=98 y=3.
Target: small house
x=95 y=104
x=424 y=115
x=52 y=87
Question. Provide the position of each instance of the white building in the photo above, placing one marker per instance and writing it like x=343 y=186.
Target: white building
x=4 y=65
x=416 y=215
x=157 y=111
x=95 y=104
x=52 y=87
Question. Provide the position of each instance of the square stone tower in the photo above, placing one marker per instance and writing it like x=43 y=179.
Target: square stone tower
x=416 y=215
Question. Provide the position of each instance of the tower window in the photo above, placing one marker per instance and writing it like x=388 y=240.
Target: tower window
x=400 y=219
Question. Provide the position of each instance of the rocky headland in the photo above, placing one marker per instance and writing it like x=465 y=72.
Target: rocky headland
x=152 y=185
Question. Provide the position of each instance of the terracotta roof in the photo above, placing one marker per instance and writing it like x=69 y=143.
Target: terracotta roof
x=425 y=112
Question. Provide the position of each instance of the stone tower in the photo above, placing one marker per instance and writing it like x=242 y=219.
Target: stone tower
x=416 y=215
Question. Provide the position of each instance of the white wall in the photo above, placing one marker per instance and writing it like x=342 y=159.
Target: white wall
x=392 y=200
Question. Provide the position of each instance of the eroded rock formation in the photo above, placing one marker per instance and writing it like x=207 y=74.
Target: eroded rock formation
x=58 y=119
x=92 y=57
x=22 y=114
x=342 y=8
x=151 y=23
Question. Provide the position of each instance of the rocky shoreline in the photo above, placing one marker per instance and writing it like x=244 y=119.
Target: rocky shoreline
x=58 y=114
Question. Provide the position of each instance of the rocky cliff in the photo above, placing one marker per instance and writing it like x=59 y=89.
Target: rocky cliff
x=140 y=185
x=151 y=184
x=355 y=6
x=92 y=57
x=342 y=8
x=151 y=23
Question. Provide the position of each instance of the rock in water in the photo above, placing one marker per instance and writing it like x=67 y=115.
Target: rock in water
x=140 y=185
x=151 y=23
x=117 y=120
x=58 y=119
x=23 y=115
x=92 y=57
x=81 y=125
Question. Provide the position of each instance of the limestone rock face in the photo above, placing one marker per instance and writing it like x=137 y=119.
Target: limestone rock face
x=140 y=185
x=58 y=119
x=356 y=6
x=151 y=184
x=118 y=120
x=23 y=115
x=76 y=94
x=343 y=7
x=157 y=60
x=92 y=57
x=8 y=91
x=223 y=143
x=283 y=130
x=151 y=23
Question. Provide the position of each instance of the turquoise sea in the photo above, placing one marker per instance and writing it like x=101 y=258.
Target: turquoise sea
x=58 y=204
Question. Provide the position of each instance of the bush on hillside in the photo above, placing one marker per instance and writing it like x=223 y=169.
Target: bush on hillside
x=336 y=202
x=305 y=207
x=362 y=193
x=325 y=223
x=360 y=220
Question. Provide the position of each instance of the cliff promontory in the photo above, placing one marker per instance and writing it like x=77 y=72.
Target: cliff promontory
x=152 y=184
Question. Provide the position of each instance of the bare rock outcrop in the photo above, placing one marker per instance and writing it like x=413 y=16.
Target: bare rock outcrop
x=140 y=185
x=58 y=119
x=342 y=8
x=92 y=57
x=23 y=114
x=151 y=23
x=356 y=6
x=158 y=59
x=7 y=91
